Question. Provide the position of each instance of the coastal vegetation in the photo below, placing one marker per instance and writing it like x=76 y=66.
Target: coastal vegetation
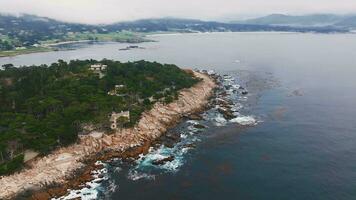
x=46 y=107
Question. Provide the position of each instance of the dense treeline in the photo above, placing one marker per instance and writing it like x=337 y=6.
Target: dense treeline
x=43 y=107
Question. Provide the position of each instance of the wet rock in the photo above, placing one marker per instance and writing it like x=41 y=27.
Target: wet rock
x=98 y=181
x=244 y=92
x=169 y=140
x=195 y=117
x=163 y=161
x=174 y=137
x=228 y=114
x=226 y=103
x=228 y=87
x=199 y=126
x=169 y=144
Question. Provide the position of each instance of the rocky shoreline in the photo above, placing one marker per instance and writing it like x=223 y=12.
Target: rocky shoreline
x=70 y=167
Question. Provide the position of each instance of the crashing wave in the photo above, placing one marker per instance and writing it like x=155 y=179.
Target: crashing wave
x=220 y=120
x=244 y=120
x=91 y=191
x=135 y=175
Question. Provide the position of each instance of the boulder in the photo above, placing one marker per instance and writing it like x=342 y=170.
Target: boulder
x=228 y=114
x=199 y=126
x=163 y=161
x=244 y=92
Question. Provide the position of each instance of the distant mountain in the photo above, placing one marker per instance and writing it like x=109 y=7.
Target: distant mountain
x=347 y=22
x=192 y=25
x=316 y=20
x=27 y=30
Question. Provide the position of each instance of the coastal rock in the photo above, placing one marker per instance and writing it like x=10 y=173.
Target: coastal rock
x=195 y=117
x=228 y=114
x=41 y=196
x=199 y=126
x=163 y=161
x=244 y=92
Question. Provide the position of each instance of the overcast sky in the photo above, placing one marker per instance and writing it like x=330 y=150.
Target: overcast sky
x=106 y=11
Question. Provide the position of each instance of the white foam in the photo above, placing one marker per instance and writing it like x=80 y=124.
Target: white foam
x=194 y=122
x=91 y=191
x=220 y=120
x=135 y=175
x=236 y=107
x=244 y=120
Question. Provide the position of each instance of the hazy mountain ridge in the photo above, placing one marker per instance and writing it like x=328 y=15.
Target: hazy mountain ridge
x=315 y=20
x=193 y=25
x=28 y=30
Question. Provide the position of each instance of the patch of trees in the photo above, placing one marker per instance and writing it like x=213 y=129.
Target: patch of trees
x=44 y=107
x=5 y=45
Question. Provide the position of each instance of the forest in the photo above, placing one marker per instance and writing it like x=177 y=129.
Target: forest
x=45 y=107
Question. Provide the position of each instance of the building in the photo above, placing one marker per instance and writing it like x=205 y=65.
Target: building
x=98 y=67
x=115 y=116
x=116 y=91
x=117 y=87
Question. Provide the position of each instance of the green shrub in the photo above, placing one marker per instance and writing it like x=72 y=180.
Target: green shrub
x=12 y=166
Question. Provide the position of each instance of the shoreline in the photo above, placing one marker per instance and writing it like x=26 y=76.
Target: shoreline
x=66 y=42
x=51 y=47
x=63 y=166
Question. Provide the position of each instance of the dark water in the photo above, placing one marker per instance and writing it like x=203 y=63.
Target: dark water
x=303 y=92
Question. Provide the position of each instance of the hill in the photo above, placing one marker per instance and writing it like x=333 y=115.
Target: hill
x=315 y=20
x=349 y=22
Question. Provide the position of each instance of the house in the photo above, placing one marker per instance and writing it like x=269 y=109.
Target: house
x=116 y=91
x=117 y=87
x=115 y=116
x=98 y=67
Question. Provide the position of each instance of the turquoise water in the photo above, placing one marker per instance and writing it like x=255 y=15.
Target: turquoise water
x=303 y=94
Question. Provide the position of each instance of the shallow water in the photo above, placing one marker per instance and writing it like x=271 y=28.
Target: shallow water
x=301 y=92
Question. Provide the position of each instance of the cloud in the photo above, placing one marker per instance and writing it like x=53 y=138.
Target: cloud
x=106 y=11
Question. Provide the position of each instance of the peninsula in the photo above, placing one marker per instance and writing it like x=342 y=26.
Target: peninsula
x=78 y=109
